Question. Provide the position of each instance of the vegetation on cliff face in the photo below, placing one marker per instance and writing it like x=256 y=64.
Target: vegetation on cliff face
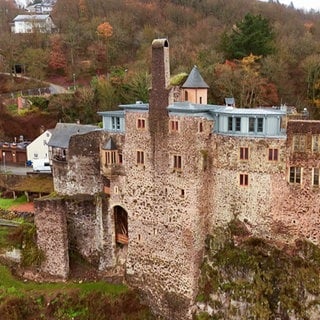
x=253 y=279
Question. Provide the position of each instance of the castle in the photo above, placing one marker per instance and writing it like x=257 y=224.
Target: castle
x=138 y=197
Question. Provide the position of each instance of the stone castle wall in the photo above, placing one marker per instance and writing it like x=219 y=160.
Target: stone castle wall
x=52 y=237
x=166 y=217
x=81 y=173
x=75 y=223
x=169 y=215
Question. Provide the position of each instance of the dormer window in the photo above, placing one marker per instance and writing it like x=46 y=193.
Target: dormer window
x=256 y=125
x=115 y=123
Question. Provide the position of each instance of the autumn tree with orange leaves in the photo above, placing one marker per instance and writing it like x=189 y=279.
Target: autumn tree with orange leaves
x=242 y=80
x=105 y=31
x=57 y=58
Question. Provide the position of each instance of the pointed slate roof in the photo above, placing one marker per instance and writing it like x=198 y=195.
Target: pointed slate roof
x=195 y=80
x=109 y=145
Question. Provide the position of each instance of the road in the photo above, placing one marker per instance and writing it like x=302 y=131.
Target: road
x=15 y=169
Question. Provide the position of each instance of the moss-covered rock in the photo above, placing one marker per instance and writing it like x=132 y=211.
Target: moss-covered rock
x=253 y=279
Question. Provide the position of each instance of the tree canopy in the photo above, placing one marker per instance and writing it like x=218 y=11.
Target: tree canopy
x=252 y=35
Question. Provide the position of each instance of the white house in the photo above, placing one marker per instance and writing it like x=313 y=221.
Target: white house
x=24 y=23
x=38 y=148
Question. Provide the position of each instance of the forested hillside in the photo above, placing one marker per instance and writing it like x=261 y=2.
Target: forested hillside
x=260 y=53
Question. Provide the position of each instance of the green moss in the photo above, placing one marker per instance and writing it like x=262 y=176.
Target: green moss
x=269 y=282
x=178 y=79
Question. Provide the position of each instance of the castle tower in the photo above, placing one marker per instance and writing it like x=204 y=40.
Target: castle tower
x=195 y=89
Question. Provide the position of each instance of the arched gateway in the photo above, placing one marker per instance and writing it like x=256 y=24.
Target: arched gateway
x=121 y=225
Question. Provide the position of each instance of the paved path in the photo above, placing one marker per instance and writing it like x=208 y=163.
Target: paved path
x=15 y=169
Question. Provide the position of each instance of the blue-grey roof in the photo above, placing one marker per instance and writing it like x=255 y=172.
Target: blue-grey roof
x=195 y=80
x=193 y=108
x=63 y=131
x=251 y=111
x=112 y=113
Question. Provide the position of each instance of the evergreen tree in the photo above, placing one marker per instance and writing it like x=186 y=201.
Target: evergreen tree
x=252 y=35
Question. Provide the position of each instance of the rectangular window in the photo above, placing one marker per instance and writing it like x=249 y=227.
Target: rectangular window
x=177 y=162
x=174 y=125
x=315 y=177
x=244 y=179
x=251 y=124
x=200 y=127
x=238 y=124
x=111 y=157
x=230 y=121
x=260 y=125
x=115 y=121
x=316 y=143
x=244 y=153
x=141 y=123
x=273 y=154
x=299 y=143
x=140 y=157
x=295 y=175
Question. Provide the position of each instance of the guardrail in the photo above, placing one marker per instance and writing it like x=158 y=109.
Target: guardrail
x=9 y=223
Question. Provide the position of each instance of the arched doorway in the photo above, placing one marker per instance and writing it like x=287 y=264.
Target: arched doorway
x=121 y=225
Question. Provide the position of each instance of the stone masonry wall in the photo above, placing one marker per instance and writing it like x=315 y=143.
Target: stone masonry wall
x=52 y=236
x=81 y=173
x=77 y=223
x=166 y=217
x=296 y=206
x=251 y=203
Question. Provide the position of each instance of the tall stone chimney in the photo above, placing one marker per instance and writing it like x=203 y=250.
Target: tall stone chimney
x=159 y=101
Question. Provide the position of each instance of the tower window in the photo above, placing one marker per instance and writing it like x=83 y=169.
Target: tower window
x=273 y=154
x=140 y=157
x=141 y=123
x=299 y=143
x=295 y=175
x=244 y=153
x=177 y=163
x=315 y=177
x=316 y=143
x=244 y=179
x=111 y=157
x=174 y=125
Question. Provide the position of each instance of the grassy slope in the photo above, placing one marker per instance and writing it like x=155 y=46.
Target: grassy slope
x=79 y=300
x=70 y=300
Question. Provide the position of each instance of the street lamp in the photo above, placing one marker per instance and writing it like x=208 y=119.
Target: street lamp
x=4 y=161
